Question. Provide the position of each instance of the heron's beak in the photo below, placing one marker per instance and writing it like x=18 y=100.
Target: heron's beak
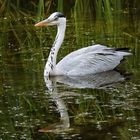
x=42 y=23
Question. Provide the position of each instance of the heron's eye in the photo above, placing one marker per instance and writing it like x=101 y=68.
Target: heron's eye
x=55 y=18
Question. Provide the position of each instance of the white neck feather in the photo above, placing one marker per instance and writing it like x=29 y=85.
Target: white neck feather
x=51 y=63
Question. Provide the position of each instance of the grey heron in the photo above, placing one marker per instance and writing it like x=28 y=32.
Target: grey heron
x=89 y=60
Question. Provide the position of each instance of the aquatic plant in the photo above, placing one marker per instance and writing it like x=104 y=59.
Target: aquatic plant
x=25 y=105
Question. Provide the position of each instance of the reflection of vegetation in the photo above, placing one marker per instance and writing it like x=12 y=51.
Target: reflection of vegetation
x=97 y=112
x=22 y=48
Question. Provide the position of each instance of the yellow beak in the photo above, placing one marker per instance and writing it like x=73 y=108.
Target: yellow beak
x=41 y=24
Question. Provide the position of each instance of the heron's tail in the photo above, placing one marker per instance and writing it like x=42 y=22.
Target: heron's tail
x=126 y=51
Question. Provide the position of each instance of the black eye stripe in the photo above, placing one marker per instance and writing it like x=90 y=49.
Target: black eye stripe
x=56 y=18
x=59 y=14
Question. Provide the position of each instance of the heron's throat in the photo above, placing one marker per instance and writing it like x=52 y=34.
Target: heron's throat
x=52 y=59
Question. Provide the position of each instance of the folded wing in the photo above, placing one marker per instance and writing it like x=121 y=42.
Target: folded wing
x=93 y=59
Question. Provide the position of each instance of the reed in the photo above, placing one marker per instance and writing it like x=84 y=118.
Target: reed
x=40 y=9
x=23 y=50
x=60 y=6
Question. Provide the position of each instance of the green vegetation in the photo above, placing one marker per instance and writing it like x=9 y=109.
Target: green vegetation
x=24 y=108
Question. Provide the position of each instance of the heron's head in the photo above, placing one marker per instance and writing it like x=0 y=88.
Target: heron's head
x=56 y=18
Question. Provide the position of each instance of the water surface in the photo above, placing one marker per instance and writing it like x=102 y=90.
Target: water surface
x=32 y=107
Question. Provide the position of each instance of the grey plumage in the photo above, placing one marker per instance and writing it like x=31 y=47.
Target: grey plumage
x=89 y=60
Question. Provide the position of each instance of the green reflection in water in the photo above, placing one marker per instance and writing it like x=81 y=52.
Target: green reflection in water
x=26 y=105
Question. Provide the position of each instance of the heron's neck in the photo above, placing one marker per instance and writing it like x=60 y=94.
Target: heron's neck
x=51 y=63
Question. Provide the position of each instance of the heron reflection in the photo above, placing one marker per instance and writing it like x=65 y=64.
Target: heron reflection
x=98 y=81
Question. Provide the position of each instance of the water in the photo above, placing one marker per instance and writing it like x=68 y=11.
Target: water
x=105 y=106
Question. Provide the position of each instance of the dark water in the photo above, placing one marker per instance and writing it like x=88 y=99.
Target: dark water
x=106 y=107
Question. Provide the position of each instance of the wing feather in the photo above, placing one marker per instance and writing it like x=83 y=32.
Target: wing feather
x=93 y=59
